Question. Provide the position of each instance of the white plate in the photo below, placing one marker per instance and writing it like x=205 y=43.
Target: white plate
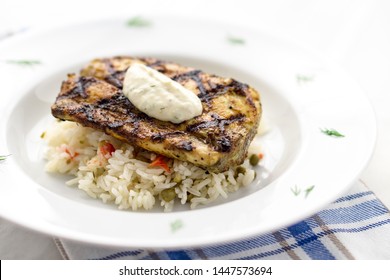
x=301 y=94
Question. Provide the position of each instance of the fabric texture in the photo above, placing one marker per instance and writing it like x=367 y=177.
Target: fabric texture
x=355 y=226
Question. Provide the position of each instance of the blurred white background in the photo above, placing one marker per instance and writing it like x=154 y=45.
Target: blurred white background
x=354 y=33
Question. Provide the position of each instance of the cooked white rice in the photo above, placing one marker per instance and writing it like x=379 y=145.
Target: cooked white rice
x=130 y=182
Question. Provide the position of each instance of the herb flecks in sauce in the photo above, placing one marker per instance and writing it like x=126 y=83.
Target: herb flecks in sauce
x=159 y=96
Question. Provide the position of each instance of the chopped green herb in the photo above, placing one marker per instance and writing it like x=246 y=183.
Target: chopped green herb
x=296 y=191
x=301 y=79
x=138 y=22
x=236 y=40
x=43 y=134
x=176 y=225
x=308 y=190
x=23 y=62
x=332 y=132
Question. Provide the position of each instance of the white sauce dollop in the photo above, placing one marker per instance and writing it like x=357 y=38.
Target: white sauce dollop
x=158 y=96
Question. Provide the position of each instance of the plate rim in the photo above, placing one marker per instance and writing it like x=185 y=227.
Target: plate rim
x=87 y=238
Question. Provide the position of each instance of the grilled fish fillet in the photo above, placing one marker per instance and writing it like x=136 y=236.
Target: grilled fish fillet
x=215 y=140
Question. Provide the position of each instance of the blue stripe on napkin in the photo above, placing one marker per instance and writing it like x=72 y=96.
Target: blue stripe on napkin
x=366 y=210
x=353 y=196
x=178 y=255
x=309 y=241
x=120 y=255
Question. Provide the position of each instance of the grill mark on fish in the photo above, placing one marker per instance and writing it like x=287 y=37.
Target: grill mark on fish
x=134 y=131
x=79 y=90
x=215 y=89
x=186 y=145
x=234 y=86
x=240 y=88
x=85 y=110
x=160 y=136
x=193 y=75
x=231 y=119
x=156 y=63
x=109 y=66
x=114 y=77
x=114 y=80
x=216 y=122
x=205 y=95
x=224 y=144
x=116 y=104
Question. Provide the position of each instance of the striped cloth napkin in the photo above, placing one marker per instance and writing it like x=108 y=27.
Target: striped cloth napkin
x=355 y=226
